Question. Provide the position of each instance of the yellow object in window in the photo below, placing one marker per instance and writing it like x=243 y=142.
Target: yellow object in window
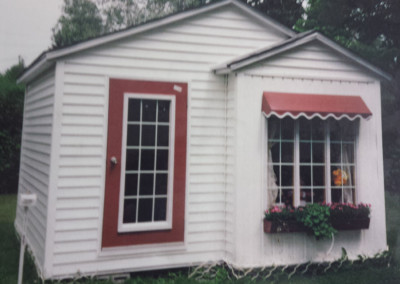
x=340 y=177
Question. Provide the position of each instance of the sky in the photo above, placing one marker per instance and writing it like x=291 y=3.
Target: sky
x=25 y=29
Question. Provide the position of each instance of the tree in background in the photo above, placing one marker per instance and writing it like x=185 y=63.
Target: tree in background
x=286 y=12
x=84 y=19
x=370 y=28
x=80 y=20
x=120 y=14
x=11 y=107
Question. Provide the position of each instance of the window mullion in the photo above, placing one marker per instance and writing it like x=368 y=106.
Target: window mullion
x=155 y=164
x=328 y=196
x=139 y=160
x=296 y=179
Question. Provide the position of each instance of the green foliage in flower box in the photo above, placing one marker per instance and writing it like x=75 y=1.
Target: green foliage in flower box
x=320 y=220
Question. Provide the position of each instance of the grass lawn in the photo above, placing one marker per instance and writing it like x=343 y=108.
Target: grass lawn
x=365 y=273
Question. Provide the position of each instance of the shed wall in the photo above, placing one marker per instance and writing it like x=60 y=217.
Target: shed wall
x=310 y=71
x=35 y=160
x=182 y=52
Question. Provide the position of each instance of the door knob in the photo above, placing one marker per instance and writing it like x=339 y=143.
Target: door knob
x=113 y=160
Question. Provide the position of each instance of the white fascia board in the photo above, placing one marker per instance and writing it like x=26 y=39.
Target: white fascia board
x=42 y=65
x=273 y=52
x=227 y=68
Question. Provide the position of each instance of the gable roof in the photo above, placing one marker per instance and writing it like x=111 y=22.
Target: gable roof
x=47 y=58
x=292 y=43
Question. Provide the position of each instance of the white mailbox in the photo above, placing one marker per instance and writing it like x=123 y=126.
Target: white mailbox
x=27 y=199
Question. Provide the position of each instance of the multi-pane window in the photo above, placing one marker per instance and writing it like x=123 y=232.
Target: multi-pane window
x=312 y=160
x=146 y=174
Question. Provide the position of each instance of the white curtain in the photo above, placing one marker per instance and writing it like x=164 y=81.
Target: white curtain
x=346 y=159
x=273 y=188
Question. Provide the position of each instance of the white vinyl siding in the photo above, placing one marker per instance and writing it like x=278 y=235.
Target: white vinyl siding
x=35 y=160
x=311 y=61
x=183 y=52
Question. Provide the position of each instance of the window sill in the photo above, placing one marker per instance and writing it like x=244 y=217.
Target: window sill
x=144 y=227
x=272 y=227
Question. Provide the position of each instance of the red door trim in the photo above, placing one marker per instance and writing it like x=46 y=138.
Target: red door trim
x=110 y=235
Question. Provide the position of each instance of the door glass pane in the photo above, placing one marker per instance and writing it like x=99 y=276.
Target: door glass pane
x=149 y=110
x=146 y=184
x=131 y=184
x=160 y=211
x=163 y=111
x=163 y=135
x=132 y=159
x=134 y=110
x=162 y=160
x=133 y=135
x=148 y=135
x=145 y=209
x=129 y=211
x=147 y=160
x=161 y=184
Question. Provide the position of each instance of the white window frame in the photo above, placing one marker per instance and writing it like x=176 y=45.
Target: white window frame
x=152 y=225
x=327 y=164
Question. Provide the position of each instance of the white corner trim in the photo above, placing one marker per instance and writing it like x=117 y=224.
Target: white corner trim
x=54 y=163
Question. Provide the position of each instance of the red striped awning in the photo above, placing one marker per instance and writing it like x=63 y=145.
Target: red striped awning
x=310 y=106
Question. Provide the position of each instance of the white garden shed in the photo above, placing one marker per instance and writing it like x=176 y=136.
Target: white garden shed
x=154 y=147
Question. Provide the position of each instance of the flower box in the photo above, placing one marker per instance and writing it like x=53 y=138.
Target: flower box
x=321 y=219
x=290 y=226
x=351 y=224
